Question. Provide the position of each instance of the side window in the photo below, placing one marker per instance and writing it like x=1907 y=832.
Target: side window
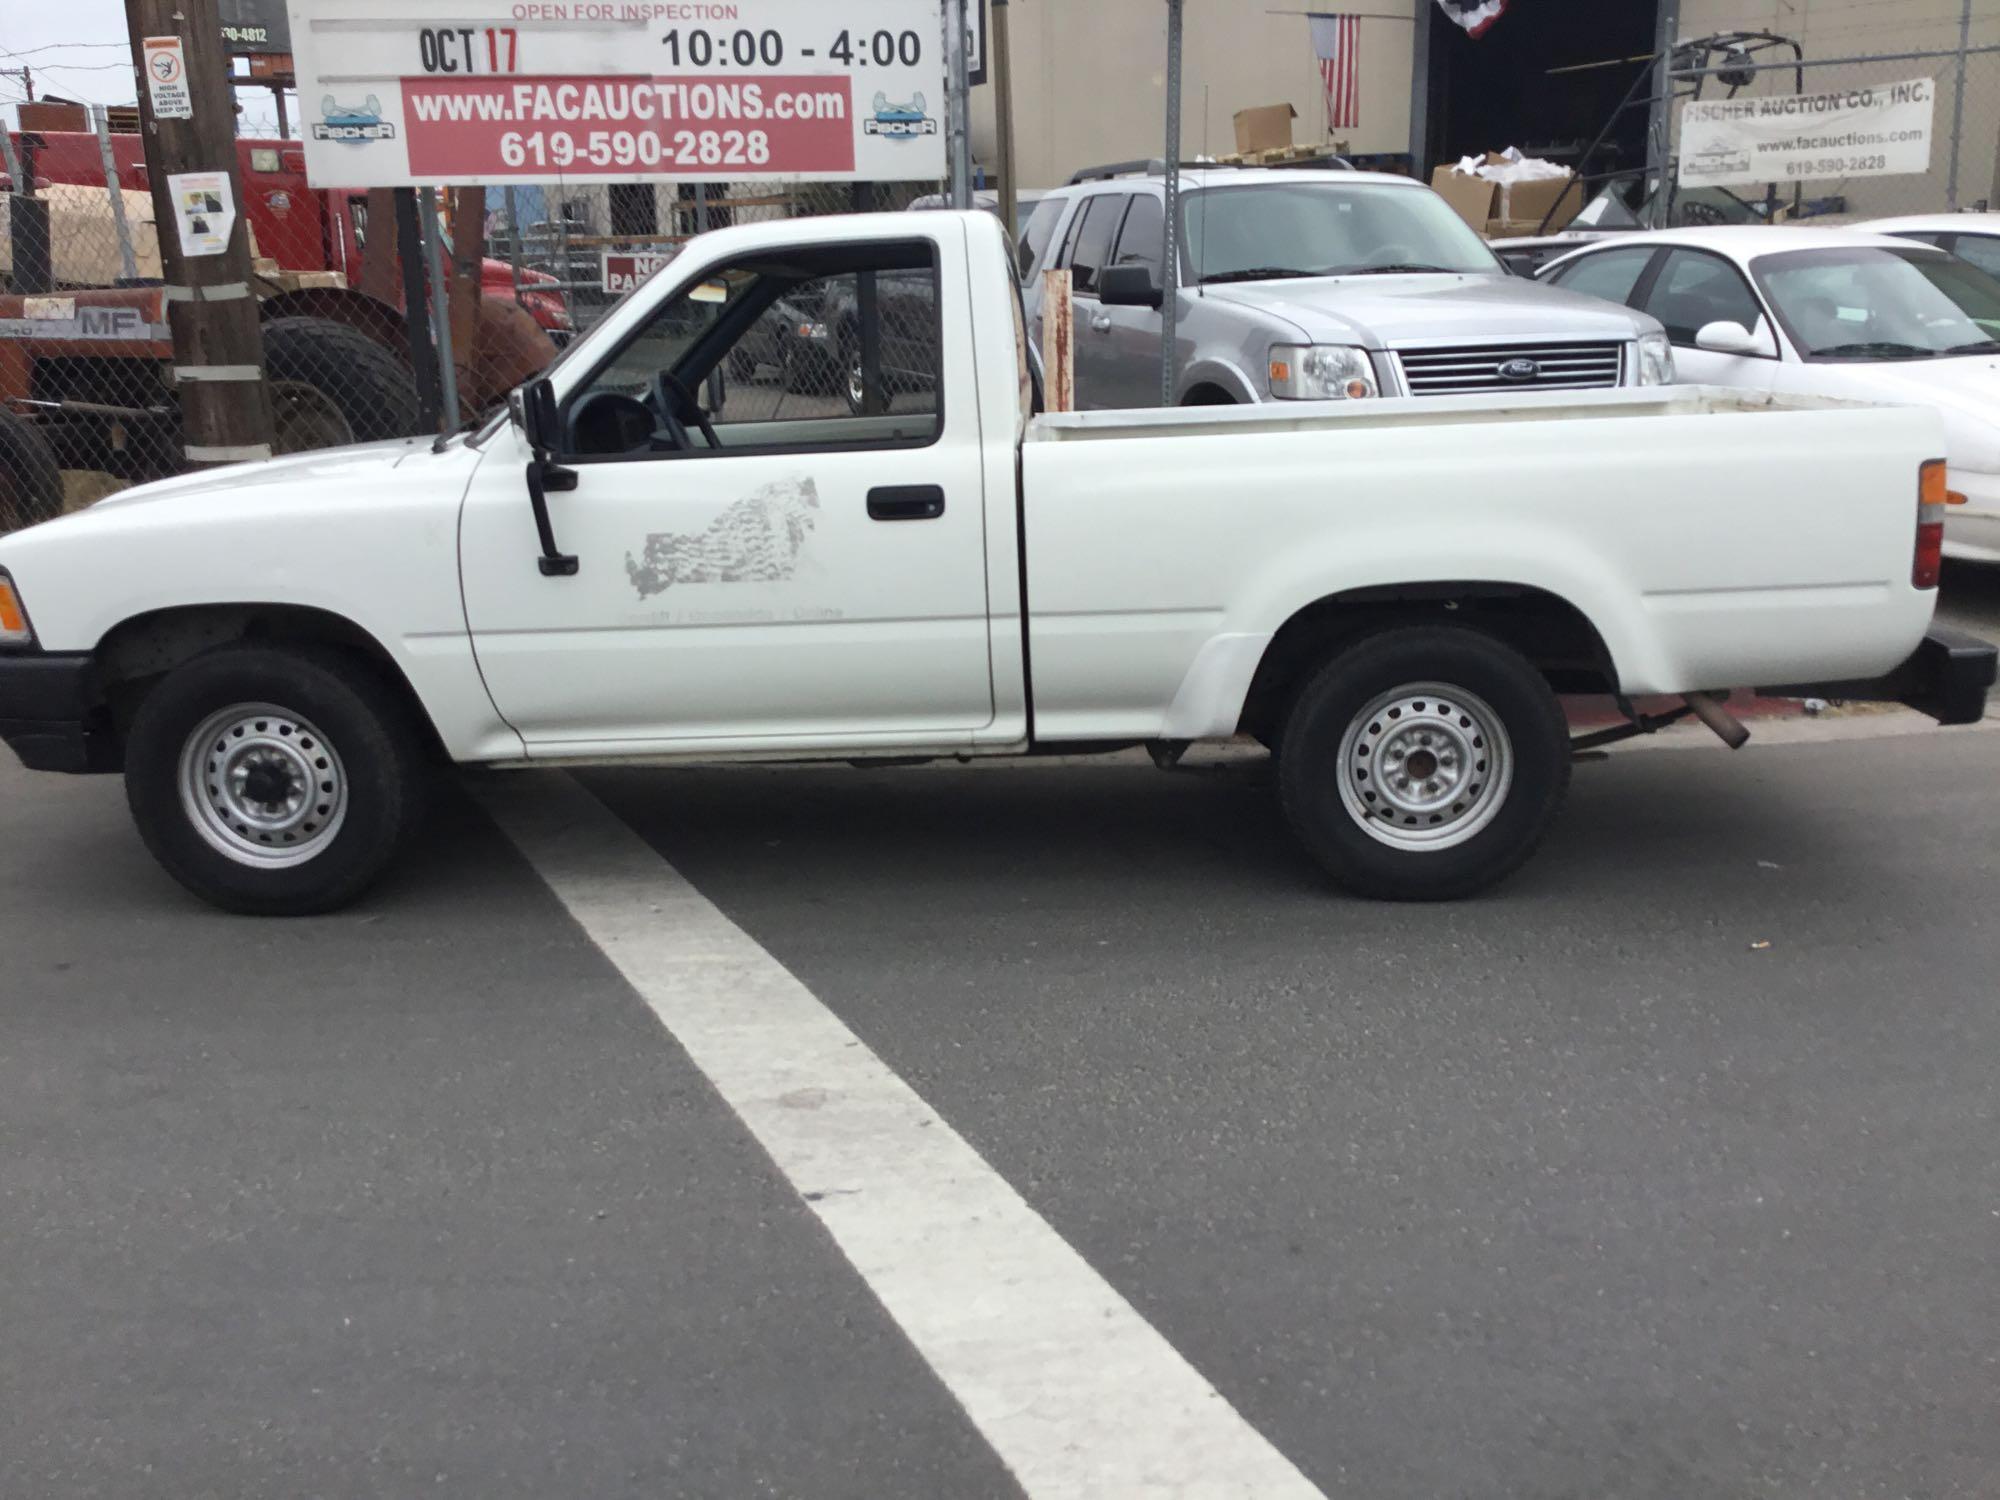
x=1978 y=250
x=1041 y=228
x=763 y=356
x=1091 y=241
x=1694 y=290
x=1142 y=241
x=1610 y=274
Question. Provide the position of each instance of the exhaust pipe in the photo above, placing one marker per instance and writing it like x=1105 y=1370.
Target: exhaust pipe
x=1727 y=727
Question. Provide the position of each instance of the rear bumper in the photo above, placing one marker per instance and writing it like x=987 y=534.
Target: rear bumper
x=1947 y=677
x=52 y=714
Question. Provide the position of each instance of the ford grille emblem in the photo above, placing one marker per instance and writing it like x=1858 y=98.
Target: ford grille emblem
x=1520 y=369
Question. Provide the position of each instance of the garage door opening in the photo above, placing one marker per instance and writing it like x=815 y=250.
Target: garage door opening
x=1501 y=90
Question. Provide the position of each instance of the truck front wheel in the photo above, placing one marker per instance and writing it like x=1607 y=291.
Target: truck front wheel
x=275 y=782
x=1423 y=764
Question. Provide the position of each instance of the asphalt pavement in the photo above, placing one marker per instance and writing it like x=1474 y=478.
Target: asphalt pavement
x=1666 y=1170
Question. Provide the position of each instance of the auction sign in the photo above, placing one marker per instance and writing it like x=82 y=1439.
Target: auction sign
x=1871 y=130
x=401 y=93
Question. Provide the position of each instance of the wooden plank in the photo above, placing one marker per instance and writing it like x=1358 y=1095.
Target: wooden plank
x=1058 y=349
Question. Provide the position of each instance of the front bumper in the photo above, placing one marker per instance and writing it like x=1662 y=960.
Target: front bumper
x=52 y=713
x=1947 y=677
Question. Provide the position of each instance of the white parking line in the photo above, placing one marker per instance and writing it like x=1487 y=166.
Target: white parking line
x=1076 y=1392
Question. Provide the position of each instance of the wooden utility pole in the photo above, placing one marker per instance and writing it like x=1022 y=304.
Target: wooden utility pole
x=211 y=303
x=1000 y=68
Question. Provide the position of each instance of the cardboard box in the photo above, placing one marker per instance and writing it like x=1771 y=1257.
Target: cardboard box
x=1267 y=127
x=1480 y=201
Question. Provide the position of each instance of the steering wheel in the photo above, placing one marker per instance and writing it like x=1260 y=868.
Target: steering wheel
x=678 y=407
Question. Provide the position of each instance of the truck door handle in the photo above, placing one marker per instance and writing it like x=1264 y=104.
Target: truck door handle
x=906 y=502
x=1101 y=322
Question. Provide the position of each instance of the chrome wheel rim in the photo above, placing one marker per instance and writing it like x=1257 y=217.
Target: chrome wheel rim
x=262 y=785
x=1425 y=766
x=857 y=383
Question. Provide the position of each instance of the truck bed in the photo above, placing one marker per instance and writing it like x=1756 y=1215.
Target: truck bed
x=1713 y=539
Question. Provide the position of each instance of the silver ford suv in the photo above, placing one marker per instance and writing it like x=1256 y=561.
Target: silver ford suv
x=1315 y=286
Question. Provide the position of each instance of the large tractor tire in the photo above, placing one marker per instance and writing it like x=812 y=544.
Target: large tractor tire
x=31 y=487
x=331 y=384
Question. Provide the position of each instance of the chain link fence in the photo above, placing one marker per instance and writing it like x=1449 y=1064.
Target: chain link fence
x=1965 y=131
x=88 y=396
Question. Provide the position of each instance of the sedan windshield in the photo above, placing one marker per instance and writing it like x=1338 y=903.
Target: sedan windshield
x=1866 y=303
x=1266 y=231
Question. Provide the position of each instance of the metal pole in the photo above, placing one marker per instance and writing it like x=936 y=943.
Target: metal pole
x=1000 y=68
x=1958 y=106
x=1170 y=259
x=278 y=102
x=128 y=263
x=959 y=91
x=410 y=261
x=1420 y=95
x=427 y=214
x=1659 y=120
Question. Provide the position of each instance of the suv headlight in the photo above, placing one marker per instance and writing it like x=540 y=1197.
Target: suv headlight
x=1321 y=372
x=1656 y=359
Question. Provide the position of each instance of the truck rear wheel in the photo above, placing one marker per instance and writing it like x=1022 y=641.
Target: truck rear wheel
x=332 y=384
x=31 y=487
x=274 y=782
x=1423 y=764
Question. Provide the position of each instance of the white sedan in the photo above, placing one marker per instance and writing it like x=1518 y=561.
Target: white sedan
x=1971 y=237
x=1826 y=312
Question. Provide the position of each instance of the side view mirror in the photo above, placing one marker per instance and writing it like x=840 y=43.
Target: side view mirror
x=1129 y=286
x=534 y=407
x=1725 y=337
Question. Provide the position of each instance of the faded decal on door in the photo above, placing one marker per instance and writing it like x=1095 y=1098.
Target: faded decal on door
x=758 y=539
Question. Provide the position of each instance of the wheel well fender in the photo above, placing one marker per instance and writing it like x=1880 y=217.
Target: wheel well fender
x=137 y=652
x=1203 y=380
x=1547 y=629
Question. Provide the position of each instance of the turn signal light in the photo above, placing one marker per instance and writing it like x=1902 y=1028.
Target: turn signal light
x=1933 y=494
x=13 y=619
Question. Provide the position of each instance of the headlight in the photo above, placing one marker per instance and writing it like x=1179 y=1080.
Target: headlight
x=1321 y=372
x=14 y=629
x=1656 y=359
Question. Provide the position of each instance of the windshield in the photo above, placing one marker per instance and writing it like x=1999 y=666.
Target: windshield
x=1868 y=303
x=1325 y=229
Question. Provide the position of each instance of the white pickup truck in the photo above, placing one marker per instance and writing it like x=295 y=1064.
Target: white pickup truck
x=637 y=562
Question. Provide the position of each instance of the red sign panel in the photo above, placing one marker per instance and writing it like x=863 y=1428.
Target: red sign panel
x=542 y=127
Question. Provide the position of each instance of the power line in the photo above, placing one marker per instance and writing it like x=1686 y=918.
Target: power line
x=65 y=47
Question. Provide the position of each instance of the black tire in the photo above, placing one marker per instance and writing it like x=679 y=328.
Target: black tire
x=31 y=487
x=363 y=391
x=1500 y=790
x=348 y=713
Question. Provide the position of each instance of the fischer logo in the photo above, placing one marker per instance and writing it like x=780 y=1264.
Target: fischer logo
x=899 y=122
x=354 y=125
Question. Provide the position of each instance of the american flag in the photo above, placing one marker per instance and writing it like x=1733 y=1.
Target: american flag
x=1337 y=41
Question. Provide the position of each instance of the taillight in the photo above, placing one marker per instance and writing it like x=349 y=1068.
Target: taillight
x=1933 y=494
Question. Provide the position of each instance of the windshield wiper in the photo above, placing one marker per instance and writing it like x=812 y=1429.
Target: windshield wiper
x=1395 y=268
x=1882 y=350
x=1258 y=273
x=471 y=424
x=1977 y=346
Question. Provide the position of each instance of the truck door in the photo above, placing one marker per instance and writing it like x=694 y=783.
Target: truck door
x=762 y=570
x=1087 y=252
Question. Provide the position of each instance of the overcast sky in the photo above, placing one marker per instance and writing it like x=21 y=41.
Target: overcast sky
x=77 y=48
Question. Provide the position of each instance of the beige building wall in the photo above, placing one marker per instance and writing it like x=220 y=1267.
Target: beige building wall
x=1090 y=80
x=1854 y=28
